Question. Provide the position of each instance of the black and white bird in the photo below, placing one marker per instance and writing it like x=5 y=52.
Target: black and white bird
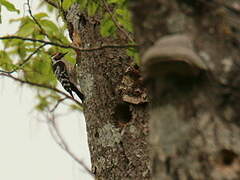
x=62 y=70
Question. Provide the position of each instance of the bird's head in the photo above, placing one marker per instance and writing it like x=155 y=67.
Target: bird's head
x=57 y=56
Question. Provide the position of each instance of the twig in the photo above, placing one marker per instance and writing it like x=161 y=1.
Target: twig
x=62 y=143
x=38 y=24
x=40 y=85
x=25 y=61
x=68 y=46
x=30 y=56
x=35 y=20
x=115 y=21
x=56 y=105
x=52 y=3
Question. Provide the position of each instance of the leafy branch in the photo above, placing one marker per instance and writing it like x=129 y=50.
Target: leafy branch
x=29 y=57
x=115 y=21
x=41 y=86
x=24 y=61
x=35 y=20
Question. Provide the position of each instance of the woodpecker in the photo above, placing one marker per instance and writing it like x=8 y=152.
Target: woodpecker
x=62 y=70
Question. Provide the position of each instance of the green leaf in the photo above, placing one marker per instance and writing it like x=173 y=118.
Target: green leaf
x=43 y=103
x=9 y=6
x=39 y=36
x=22 y=19
x=49 y=26
x=26 y=29
x=107 y=27
x=116 y=1
x=135 y=54
x=76 y=107
x=124 y=18
x=82 y=4
x=54 y=96
x=11 y=42
x=92 y=8
x=5 y=61
x=38 y=72
x=0 y=14
x=21 y=49
x=70 y=57
x=67 y=4
x=40 y=15
x=112 y=1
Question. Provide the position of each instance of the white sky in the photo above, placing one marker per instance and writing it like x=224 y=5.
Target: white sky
x=27 y=150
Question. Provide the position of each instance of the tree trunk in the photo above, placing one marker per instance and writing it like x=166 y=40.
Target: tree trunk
x=190 y=52
x=117 y=128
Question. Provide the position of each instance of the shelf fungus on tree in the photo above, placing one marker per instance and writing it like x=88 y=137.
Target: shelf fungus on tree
x=172 y=54
x=131 y=88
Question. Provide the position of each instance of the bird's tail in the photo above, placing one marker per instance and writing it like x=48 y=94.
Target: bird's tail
x=75 y=89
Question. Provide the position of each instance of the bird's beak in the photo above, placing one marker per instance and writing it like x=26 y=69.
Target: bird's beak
x=58 y=56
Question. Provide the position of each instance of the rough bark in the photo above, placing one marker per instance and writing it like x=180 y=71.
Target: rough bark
x=117 y=130
x=194 y=117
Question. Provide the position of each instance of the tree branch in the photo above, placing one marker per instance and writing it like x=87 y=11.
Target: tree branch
x=69 y=46
x=35 y=20
x=42 y=30
x=56 y=134
x=56 y=105
x=30 y=56
x=115 y=21
x=25 y=61
x=41 y=86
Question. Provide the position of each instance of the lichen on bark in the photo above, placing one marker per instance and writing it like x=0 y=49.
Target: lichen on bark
x=117 y=152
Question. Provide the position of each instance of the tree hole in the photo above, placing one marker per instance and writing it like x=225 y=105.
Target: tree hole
x=96 y=135
x=122 y=113
x=227 y=157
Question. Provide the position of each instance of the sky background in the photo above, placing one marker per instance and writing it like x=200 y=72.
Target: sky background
x=27 y=150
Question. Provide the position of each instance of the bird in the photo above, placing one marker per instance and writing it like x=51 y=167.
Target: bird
x=62 y=70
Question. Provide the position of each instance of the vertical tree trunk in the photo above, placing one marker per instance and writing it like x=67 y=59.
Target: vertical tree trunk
x=117 y=130
x=193 y=79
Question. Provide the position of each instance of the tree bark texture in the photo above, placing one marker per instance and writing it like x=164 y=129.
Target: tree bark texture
x=117 y=129
x=194 y=114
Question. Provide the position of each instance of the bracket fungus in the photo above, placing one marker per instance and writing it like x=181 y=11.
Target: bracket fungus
x=172 y=54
